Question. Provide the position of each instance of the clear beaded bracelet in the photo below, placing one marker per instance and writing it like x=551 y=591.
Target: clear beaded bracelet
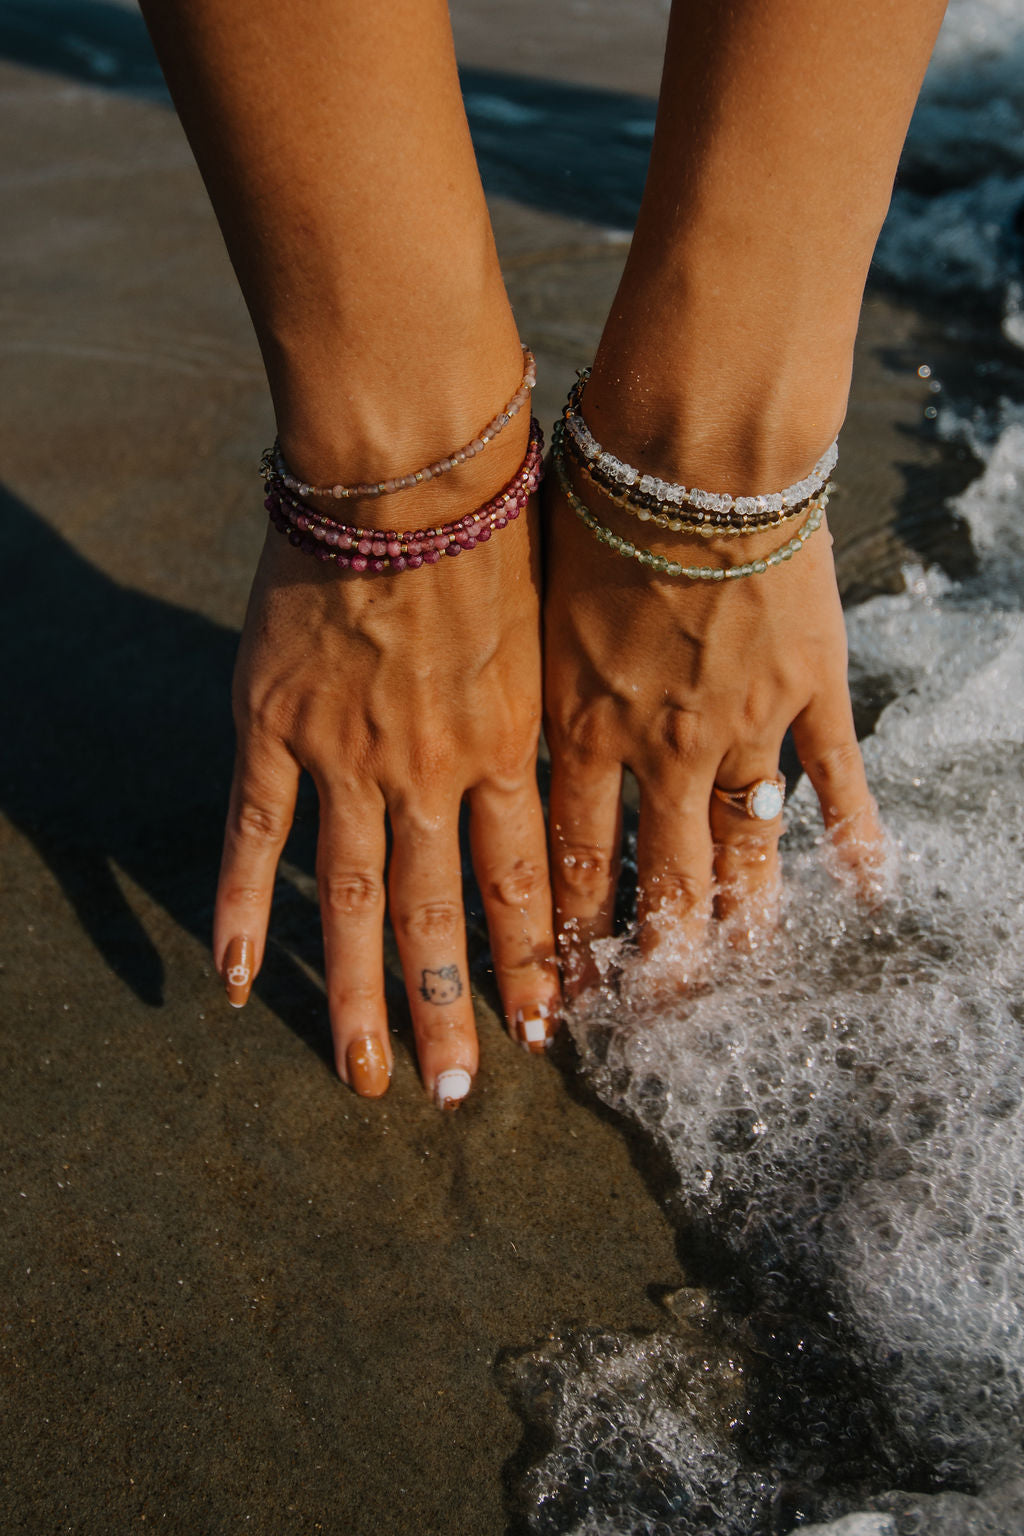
x=661 y=563
x=644 y=512
x=273 y=462
x=710 y=512
x=645 y=509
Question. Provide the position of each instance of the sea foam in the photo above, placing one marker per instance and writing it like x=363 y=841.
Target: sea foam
x=835 y=1120
x=956 y=222
x=841 y=1109
x=841 y=1113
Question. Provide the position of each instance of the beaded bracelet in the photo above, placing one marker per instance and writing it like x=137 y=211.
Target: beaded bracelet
x=376 y=549
x=644 y=513
x=713 y=512
x=273 y=463
x=661 y=563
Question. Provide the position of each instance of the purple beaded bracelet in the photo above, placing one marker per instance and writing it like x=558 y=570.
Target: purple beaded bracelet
x=377 y=549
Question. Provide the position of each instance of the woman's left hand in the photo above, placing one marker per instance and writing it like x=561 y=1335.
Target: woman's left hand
x=691 y=685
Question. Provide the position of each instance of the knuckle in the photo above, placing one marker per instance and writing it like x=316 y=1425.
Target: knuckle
x=682 y=732
x=350 y=893
x=837 y=765
x=580 y=735
x=259 y=824
x=774 y=697
x=420 y=821
x=839 y=777
x=430 y=921
x=262 y=711
x=678 y=889
x=750 y=844
x=435 y=757
x=512 y=759
x=584 y=869
x=535 y=966
x=518 y=886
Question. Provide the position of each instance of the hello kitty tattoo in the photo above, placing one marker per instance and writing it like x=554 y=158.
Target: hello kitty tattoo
x=442 y=986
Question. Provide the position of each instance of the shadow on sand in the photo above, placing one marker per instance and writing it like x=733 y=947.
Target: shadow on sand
x=119 y=758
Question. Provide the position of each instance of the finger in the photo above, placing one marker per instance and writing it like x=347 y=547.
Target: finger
x=748 y=886
x=509 y=844
x=586 y=836
x=673 y=857
x=826 y=744
x=260 y=811
x=351 y=852
x=425 y=900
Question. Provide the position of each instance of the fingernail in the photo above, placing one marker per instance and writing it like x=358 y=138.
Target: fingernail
x=451 y=1088
x=237 y=971
x=532 y=1023
x=367 y=1066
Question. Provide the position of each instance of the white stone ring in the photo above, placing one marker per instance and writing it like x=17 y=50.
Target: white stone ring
x=762 y=801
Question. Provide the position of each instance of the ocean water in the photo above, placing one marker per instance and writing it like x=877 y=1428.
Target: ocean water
x=835 y=1120
x=956 y=226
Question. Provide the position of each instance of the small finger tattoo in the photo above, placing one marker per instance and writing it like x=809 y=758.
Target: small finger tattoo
x=442 y=986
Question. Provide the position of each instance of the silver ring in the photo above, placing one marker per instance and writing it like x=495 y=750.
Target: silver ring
x=761 y=801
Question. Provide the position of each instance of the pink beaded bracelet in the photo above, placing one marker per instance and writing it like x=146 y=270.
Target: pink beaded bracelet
x=273 y=463
x=377 y=549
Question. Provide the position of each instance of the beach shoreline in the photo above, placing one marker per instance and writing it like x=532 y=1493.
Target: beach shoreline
x=238 y=1298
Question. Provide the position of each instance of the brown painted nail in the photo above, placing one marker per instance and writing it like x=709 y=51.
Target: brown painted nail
x=367 y=1067
x=237 y=971
x=536 y=1027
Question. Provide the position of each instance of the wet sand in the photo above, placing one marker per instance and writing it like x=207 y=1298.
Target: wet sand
x=236 y=1298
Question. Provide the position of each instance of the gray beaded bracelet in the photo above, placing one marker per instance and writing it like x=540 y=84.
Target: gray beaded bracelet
x=273 y=461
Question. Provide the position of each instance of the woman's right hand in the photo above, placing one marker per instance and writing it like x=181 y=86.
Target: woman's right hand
x=401 y=695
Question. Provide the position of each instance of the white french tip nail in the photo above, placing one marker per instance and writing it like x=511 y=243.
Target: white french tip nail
x=451 y=1087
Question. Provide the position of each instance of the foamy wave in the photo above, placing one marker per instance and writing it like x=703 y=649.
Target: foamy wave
x=843 y=1111
x=954 y=227
x=955 y=243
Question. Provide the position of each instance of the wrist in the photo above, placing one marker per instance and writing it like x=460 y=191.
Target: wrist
x=719 y=372
x=428 y=443
x=657 y=543
x=379 y=547
x=740 y=428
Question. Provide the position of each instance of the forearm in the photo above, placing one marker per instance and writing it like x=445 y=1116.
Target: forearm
x=334 y=145
x=728 y=350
